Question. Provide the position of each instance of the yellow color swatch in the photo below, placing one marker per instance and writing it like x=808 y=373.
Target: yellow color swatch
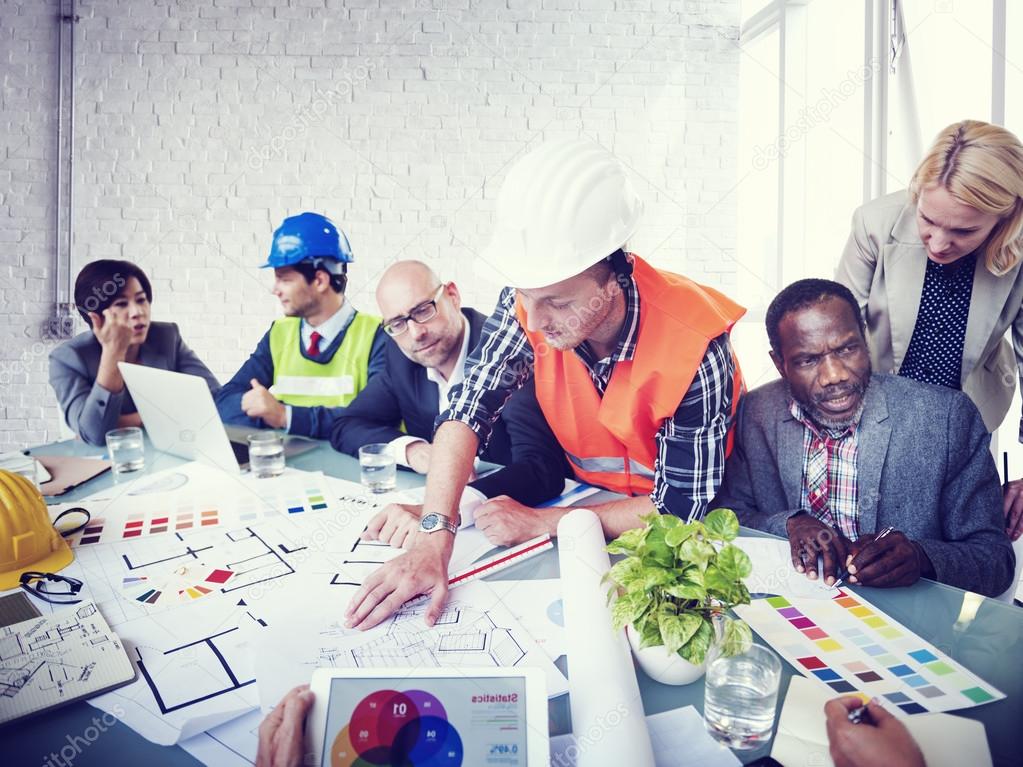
x=875 y=622
x=828 y=645
x=861 y=612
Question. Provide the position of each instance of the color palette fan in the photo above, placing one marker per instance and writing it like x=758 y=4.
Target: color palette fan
x=184 y=584
x=850 y=646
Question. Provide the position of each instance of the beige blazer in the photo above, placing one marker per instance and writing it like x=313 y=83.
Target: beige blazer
x=883 y=265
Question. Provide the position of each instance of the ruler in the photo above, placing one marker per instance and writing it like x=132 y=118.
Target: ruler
x=502 y=560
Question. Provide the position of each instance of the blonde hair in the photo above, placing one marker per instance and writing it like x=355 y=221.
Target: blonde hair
x=981 y=165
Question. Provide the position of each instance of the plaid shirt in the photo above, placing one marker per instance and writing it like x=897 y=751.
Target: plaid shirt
x=838 y=449
x=690 y=446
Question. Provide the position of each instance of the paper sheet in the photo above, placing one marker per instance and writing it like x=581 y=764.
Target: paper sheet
x=602 y=678
x=802 y=738
x=538 y=606
x=59 y=658
x=679 y=740
x=773 y=572
x=475 y=629
x=847 y=645
x=233 y=744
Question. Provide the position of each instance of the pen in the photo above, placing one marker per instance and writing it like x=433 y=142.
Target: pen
x=845 y=573
x=857 y=715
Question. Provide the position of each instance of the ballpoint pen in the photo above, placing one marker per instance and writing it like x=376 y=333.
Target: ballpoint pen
x=845 y=573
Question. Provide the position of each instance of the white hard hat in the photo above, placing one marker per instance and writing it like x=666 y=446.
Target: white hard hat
x=562 y=208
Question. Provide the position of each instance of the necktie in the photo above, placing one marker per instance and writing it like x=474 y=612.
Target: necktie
x=314 y=345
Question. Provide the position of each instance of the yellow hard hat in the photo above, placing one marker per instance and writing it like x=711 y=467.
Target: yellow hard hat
x=28 y=541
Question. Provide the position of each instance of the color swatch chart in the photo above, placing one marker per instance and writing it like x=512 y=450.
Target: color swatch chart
x=850 y=646
x=233 y=502
x=184 y=584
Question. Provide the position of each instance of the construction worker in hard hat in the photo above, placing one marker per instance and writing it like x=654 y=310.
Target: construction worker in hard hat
x=28 y=541
x=321 y=353
x=633 y=370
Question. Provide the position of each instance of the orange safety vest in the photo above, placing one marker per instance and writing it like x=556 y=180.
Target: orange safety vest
x=610 y=440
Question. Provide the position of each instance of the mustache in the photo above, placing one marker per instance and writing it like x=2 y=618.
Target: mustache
x=839 y=391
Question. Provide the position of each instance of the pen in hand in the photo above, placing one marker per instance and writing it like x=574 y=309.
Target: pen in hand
x=845 y=573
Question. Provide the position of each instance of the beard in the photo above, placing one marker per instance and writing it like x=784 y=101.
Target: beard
x=827 y=420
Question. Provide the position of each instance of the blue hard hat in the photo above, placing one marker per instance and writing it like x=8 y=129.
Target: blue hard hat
x=309 y=237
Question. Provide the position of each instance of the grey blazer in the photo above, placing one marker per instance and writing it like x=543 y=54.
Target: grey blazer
x=924 y=468
x=883 y=265
x=89 y=409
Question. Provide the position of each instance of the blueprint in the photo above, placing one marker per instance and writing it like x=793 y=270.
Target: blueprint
x=189 y=604
x=474 y=630
x=57 y=659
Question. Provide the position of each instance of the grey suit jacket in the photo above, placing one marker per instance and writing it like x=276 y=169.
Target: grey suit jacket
x=883 y=265
x=89 y=409
x=924 y=468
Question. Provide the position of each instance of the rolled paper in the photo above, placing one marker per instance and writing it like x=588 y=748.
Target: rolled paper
x=607 y=711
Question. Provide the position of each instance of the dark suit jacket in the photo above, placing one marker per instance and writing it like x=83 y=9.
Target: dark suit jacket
x=89 y=409
x=534 y=463
x=924 y=468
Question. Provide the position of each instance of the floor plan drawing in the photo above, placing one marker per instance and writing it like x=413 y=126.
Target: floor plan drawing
x=58 y=658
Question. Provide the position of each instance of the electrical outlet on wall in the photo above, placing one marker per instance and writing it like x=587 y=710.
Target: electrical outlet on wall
x=61 y=324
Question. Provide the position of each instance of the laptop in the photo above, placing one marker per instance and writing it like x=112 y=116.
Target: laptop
x=180 y=418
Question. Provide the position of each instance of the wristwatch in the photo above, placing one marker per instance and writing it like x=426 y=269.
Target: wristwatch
x=432 y=522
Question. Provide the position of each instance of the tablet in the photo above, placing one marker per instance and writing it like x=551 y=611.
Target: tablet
x=436 y=717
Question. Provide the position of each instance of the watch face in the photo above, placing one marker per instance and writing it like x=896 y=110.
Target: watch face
x=429 y=522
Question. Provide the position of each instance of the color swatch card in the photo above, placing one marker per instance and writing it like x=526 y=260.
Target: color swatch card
x=851 y=647
x=193 y=497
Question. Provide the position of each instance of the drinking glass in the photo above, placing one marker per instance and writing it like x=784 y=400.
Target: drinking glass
x=741 y=693
x=127 y=450
x=266 y=454
x=377 y=469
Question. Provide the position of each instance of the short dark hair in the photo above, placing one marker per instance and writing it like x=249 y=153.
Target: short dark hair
x=803 y=294
x=101 y=282
x=308 y=270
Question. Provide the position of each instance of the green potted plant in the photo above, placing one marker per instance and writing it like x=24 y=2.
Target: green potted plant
x=672 y=589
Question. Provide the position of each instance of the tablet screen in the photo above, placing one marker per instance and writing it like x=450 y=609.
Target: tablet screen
x=436 y=722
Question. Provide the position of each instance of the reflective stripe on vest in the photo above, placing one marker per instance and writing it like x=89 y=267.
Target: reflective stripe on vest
x=610 y=466
x=332 y=383
x=611 y=440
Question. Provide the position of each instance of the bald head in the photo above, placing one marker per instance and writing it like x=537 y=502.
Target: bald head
x=404 y=280
x=408 y=287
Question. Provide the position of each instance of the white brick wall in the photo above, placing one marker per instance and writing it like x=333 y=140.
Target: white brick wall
x=202 y=123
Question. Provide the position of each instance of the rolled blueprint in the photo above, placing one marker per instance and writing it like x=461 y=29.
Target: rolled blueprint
x=607 y=712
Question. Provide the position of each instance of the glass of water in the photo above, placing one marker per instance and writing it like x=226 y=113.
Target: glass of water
x=376 y=467
x=266 y=454
x=127 y=450
x=741 y=693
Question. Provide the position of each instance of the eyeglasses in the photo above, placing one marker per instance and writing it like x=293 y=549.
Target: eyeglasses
x=420 y=314
x=38 y=584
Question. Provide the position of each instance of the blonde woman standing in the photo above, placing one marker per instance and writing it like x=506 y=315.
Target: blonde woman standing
x=936 y=270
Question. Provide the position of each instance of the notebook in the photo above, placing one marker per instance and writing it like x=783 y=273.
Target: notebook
x=946 y=740
x=58 y=659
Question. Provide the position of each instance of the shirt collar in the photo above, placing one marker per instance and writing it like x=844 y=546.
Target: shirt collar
x=458 y=373
x=331 y=327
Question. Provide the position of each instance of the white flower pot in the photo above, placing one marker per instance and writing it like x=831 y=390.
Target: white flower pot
x=662 y=666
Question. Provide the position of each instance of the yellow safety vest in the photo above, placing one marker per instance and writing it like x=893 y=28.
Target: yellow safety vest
x=334 y=383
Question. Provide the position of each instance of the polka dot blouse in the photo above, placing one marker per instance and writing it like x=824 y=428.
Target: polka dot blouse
x=935 y=353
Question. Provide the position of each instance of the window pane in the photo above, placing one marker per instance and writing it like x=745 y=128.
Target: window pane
x=757 y=190
x=832 y=125
x=1014 y=68
x=950 y=49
